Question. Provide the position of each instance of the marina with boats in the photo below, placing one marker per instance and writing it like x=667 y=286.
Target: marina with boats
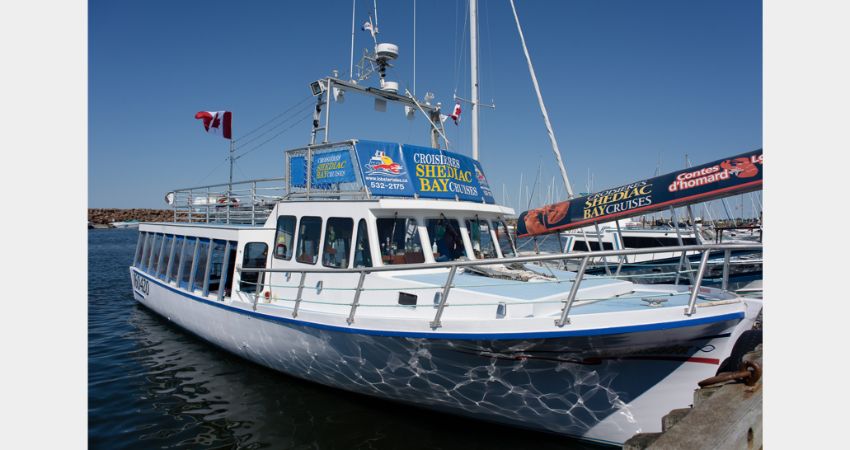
x=390 y=270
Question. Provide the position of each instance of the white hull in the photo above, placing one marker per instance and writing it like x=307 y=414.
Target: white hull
x=602 y=388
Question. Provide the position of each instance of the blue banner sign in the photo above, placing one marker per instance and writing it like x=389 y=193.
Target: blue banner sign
x=482 y=181
x=442 y=174
x=298 y=171
x=332 y=167
x=721 y=178
x=384 y=170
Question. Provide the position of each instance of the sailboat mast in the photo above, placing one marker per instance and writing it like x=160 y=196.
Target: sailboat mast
x=549 y=130
x=473 y=69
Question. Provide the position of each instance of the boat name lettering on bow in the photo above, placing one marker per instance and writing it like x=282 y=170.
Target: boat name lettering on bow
x=141 y=284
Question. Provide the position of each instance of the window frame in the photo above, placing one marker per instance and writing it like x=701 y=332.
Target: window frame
x=319 y=242
x=362 y=224
x=277 y=233
x=196 y=266
x=151 y=269
x=325 y=239
x=260 y=275
x=419 y=231
x=194 y=244
x=458 y=225
x=139 y=247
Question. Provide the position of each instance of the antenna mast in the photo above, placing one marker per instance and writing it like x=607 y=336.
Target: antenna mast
x=543 y=108
x=473 y=69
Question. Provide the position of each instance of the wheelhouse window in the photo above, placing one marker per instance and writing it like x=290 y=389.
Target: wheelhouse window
x=309 y=233
x=284 y=237
x=362 y=250
x=445 y=239
x=399 y=240
x=483 y=246
x=254 y=257
x=337 y=242
x=505 y=240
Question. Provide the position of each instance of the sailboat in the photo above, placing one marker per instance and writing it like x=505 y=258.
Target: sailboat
x=401 y=281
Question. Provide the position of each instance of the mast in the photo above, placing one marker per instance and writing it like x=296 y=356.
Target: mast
x=543 y=108
x=473 y=69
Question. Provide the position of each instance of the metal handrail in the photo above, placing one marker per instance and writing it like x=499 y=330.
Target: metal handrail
x=516 y=259
x=258 y=180
x=706 y=250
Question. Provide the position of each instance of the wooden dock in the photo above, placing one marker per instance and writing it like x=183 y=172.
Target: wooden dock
x=725 y=415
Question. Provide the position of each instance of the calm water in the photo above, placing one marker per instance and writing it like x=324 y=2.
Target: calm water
x=152 y=385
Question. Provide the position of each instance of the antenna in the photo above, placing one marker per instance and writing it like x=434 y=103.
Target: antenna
x=549 y=130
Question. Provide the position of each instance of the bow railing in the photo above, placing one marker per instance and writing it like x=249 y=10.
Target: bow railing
x=453 y=266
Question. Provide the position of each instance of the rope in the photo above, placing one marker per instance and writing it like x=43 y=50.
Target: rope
x=276 y=135
x=273 y=119
x=287 y=119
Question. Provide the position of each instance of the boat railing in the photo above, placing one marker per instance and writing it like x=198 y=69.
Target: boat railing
x=583 y=257
x=244 y=202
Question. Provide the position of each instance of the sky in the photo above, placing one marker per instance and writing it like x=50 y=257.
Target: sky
x=630 y=87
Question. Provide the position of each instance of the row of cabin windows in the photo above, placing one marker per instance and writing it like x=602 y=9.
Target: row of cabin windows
x=398 y=240
x=193 y=263
x=338 y=241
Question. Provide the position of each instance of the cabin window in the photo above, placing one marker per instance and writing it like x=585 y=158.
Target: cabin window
x=186 y=261
x=337 y=242
x=145 y=248
x=165 y=258
x=581 y=246
x=175 y=260
x=362 y=250
x=158 y=264
x=483 y=246
x=140 y=246
x=399 y=239
x=146 y=254
x=505 y=240
x=254 y=257
x=445 y=239
x=284 y=237
x=156 y=245
x=216 y=264
x=309 y=233
x=201 y=258
x=229 y=267
x=653 y=241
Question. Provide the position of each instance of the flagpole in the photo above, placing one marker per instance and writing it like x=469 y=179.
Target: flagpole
x=230 y=181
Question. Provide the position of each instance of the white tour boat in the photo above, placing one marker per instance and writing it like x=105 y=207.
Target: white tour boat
x=388 y=270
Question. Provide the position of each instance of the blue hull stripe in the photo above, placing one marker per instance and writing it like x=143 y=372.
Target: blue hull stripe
x=455 y=336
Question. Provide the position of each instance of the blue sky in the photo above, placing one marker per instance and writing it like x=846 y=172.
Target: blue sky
x=626 y=84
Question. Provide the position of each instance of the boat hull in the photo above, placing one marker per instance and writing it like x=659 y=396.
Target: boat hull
x=602 y=388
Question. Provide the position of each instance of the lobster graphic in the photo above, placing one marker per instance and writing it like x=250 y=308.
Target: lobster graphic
x=740 y=167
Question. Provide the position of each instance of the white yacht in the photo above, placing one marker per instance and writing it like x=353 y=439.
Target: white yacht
x=417 y=297
x=388 y=270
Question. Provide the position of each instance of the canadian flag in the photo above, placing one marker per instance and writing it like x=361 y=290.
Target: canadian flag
x=217 y=120
x=456 y=113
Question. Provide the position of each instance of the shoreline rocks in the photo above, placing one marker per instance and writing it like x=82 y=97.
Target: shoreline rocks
x=102 y=217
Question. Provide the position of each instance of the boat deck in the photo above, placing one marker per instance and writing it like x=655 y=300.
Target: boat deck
x=596 y=295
